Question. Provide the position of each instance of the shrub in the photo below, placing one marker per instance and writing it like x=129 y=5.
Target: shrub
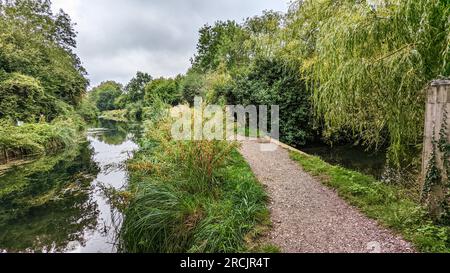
x=192 y=86
x=272 y=82
x=135 y=110
x=104 y=96
x=166 y=89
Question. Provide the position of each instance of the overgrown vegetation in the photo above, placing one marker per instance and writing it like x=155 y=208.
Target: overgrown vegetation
x=242 y=64
x=388 y=204
x=356 y=70
x=35 y=139
x=345 y=70
x=191 y=196
x=36 y=56
x=436 y=186
x=105 y=95
x=341 y=71
x=87 y=110
x=115 y=115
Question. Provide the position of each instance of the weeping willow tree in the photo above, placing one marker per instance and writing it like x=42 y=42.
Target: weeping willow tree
x=369 y=63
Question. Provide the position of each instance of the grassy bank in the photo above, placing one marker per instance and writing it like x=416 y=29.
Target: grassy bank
x=387 y=204
x=37 y=139
x=192 y=196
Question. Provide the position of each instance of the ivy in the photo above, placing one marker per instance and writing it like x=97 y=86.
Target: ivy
x=434 y=176
x=444 y=145
x=444 y=148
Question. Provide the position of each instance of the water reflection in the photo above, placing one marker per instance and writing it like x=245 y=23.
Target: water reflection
x=46 y=204
x=56 y=204
x=115 y=133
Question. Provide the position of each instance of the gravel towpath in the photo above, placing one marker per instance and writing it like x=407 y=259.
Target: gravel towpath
x=307 y=216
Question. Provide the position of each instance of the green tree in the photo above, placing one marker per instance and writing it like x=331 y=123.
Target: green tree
x=265 y=34
x=105 y=95
x=135 y=89
x=192 y=85
x=167 y=90
x=272 y=82
x=20 y=96
x=37 y=43
x=221 y=43
x=369 y=64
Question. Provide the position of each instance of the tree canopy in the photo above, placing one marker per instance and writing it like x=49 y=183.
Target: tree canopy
x=106 y=94
x=36 y=47
x=135 y=89
x=368 y=64
x=168 y=90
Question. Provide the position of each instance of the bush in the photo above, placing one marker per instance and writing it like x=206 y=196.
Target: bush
x=272 y=82
x=135 y=110
x=105 y=95
x=166 y=89
x=192 y=86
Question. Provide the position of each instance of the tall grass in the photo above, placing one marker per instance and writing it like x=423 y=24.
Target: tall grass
x=191 y=196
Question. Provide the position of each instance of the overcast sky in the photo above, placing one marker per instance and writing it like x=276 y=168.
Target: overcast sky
x=116 y=38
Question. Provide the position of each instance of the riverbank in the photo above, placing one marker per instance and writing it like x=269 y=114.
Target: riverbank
x=38 y=139
x=193 y=197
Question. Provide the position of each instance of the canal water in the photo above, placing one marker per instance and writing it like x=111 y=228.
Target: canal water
x=352 y=157
x=59 y=203
x=373 y=163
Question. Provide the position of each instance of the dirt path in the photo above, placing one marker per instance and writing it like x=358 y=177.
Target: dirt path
x=309 y=217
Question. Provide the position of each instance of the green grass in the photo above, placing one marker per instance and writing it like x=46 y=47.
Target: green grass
x=192 y=197
x=387 y=204
x=166 y=216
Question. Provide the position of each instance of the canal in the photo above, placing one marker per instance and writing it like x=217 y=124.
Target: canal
x=59 y=203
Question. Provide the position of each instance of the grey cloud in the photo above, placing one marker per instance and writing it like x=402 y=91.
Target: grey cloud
x=118 y=37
